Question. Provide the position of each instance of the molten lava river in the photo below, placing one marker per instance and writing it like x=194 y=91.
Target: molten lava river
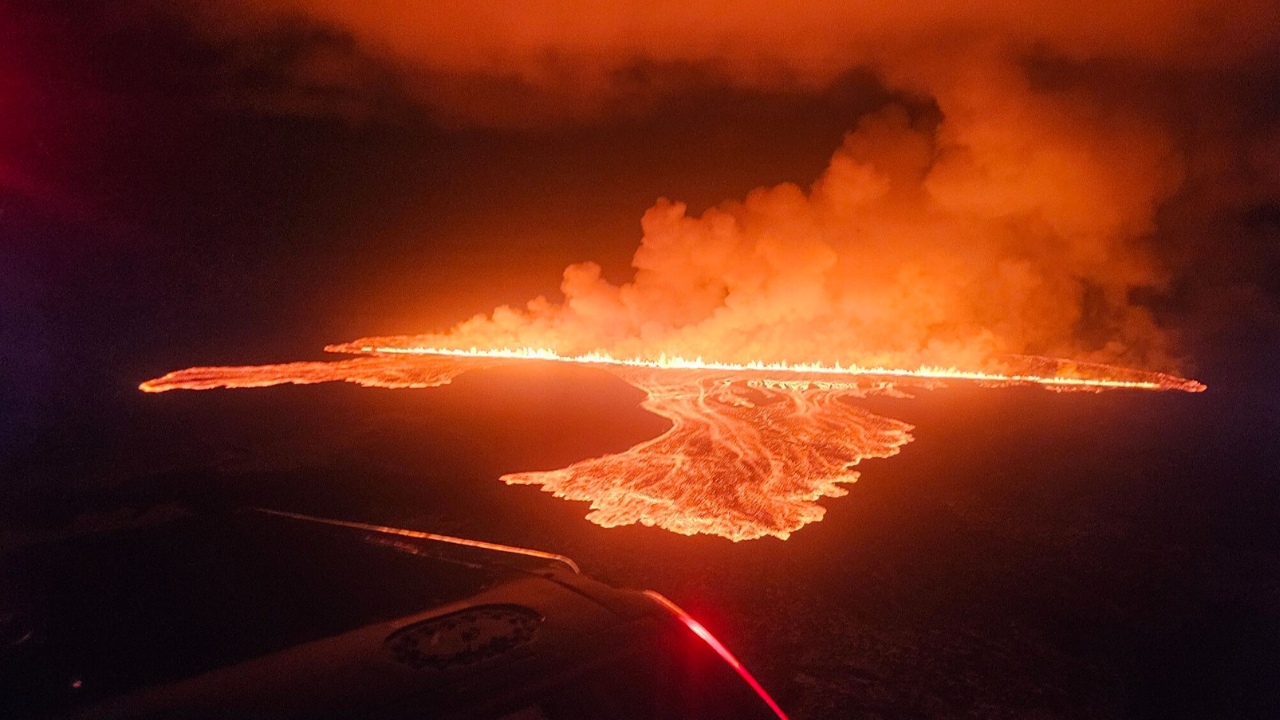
x=751 y=448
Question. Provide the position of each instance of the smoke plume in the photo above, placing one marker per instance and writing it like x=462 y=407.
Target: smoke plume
x=1017 y=210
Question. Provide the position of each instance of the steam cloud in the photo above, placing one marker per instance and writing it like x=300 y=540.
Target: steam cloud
x=941 y=245
x=1017 y=219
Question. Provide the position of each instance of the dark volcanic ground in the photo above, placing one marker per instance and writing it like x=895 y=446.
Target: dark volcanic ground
x=1030 y=554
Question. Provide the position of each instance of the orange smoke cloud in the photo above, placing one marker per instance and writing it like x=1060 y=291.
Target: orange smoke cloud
x=576 y=40
x=1016 y=220
x=481 y=59
x=942 y=244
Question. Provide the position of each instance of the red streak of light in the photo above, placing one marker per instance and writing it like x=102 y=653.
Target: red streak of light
x=720 y=649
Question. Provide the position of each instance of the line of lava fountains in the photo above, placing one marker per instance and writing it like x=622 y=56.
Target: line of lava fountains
x=751 y=448
x=1132 y=379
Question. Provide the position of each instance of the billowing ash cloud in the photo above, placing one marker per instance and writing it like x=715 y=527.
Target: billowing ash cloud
x=945 y=244
x=1017 y=219
x=510 y=61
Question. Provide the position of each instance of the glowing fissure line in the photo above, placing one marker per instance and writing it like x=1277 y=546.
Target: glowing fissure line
x=680 y=363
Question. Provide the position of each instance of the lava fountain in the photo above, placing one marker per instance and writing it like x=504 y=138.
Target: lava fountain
x=751 y=447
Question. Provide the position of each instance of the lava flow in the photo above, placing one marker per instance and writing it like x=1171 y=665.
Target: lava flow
x=751 y=447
